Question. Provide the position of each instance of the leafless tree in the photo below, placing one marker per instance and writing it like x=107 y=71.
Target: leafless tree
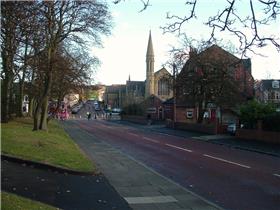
x=29 y=47
x=67 y=20
x=229 y=19
x=77 y=68
x=12 y=18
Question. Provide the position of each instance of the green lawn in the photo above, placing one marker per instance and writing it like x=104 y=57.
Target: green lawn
x=53 y=147
x=10 y=201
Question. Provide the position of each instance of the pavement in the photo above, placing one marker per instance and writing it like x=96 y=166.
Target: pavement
x=140 y=186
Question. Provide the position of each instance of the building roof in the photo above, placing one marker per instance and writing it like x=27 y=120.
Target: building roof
x=162 y=70
x=266 y=84
x=217 y=53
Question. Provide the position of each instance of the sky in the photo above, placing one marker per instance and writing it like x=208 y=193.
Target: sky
x=124 y=52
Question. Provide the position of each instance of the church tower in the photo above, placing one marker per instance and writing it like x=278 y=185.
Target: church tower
x=149 y=86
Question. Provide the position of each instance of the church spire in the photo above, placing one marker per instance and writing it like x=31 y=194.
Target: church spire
x=150 y=49
x=149 y=86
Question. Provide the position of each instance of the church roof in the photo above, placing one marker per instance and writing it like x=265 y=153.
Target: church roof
x=163 y=69
x=150 y=49
x=132 y=83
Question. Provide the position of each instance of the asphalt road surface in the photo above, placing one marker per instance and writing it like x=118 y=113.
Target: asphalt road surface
x=232 y=178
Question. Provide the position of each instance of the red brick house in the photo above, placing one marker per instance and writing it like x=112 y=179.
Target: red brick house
x=211 y=85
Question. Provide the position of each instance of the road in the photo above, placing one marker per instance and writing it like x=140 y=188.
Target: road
x=231 y=178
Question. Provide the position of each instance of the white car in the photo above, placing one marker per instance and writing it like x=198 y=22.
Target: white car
x=231 y=128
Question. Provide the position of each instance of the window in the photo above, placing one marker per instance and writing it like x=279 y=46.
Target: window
x=26 y=98
x=163 y=87
x=275 y=84
x=277 y=95
x=189 y=114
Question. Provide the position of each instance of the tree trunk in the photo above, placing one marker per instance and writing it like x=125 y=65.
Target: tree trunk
x=44 y=115
x=36 y=116
x=47 y=87
x=19 y=101
x=5 y=99
x=200 y=113
x=8 y=50
x=31 y=107
x=7 y=64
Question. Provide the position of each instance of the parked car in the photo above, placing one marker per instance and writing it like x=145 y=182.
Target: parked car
x=116 y=111
x=231 y=128
x=75 y=110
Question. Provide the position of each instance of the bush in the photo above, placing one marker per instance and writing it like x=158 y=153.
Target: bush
x=271 y=122
x=253 y=111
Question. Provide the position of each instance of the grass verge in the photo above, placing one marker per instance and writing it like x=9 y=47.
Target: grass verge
x=52 y=147
x=10 y=201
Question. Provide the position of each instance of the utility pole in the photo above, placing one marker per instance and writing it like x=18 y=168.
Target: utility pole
x=174 y=95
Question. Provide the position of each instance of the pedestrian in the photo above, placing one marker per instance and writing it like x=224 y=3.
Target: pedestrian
x=89 y=115
x=149 y=119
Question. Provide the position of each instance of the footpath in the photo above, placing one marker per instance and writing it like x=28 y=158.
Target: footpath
x=141 y=187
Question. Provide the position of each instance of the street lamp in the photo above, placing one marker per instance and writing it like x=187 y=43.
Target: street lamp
x=174 y=95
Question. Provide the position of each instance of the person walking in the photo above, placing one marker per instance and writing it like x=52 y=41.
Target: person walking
x=88 y=115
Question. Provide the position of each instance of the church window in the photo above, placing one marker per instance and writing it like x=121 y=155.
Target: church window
x=163 y=87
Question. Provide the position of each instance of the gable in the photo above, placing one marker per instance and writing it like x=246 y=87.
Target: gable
x=162 y=73
x=212 y=56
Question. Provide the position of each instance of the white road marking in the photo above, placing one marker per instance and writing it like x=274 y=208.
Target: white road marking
x=152 y=199
x=166 y=134
x=278 y=175
x=149 y=139
x=133 y=134
x=227 y=161
x=170 y=145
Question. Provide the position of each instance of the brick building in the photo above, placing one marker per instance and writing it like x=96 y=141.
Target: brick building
x=211 y=85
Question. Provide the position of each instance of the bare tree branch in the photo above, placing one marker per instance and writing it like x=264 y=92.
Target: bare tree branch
x=176 y=26
x=230 y=20
x=145 y=5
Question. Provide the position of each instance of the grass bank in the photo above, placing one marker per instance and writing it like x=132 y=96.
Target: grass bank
x=52 y=147
x=10 y=201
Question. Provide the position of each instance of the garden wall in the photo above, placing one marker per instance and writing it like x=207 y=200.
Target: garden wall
x=204 y=128
x=259 y=135
x=135 y=119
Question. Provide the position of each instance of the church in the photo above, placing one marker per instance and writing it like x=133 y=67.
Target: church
x=158 y=85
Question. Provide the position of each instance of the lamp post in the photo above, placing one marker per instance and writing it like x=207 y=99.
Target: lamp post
x=174 y=96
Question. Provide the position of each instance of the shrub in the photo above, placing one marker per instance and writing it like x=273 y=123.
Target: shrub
x=271 y=122
x=253 y=111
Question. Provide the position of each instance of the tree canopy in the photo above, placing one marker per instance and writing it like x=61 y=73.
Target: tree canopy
x=41 y=44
